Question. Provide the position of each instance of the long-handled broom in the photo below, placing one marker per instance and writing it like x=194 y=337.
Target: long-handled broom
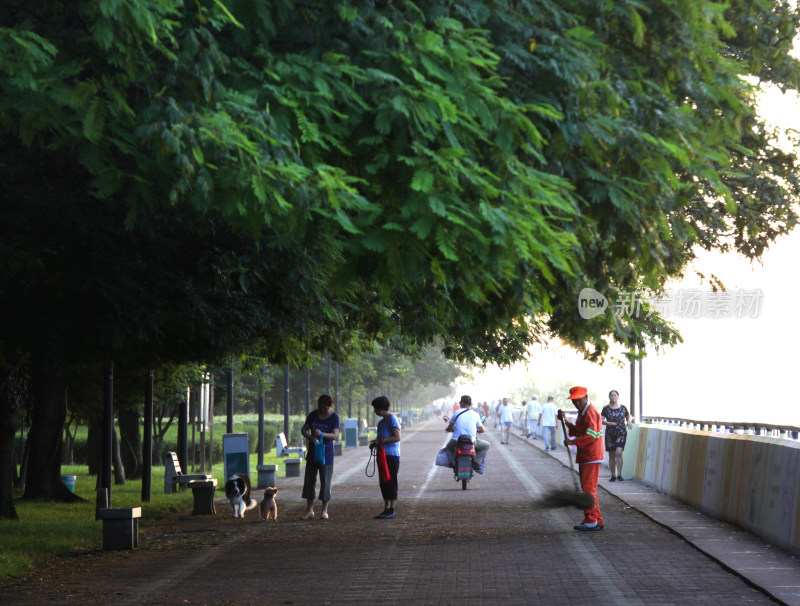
x=567 y=498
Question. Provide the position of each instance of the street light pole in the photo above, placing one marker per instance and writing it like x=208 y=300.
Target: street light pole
x=286 y=403
x=147 y=442
x=641 y=393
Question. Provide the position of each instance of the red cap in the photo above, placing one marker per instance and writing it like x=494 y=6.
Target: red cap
x=576 y=393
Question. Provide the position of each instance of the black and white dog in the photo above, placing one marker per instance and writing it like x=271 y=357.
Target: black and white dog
x=237 y=489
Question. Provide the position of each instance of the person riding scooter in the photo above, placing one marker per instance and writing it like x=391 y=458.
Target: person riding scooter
x=466 y=422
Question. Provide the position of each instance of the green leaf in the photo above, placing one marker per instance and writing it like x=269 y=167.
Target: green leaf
x=198 y=154
x=94 y=121
x=638 y=27
x=422 y=181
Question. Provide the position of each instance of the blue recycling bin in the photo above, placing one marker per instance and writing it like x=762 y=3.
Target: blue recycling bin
x=351 y=433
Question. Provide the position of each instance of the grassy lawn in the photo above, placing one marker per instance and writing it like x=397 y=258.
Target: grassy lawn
x=48 y=530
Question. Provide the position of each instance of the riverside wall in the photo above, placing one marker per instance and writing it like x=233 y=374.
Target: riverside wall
x=750 y=481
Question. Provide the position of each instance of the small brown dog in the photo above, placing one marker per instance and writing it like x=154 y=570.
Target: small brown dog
x=269 y=508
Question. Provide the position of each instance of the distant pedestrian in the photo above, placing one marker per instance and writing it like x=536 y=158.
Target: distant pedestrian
x=506 y=419
x=617 y=421
x=388 y=437
x=547 y=421
x=534 y=409
x=587 y=437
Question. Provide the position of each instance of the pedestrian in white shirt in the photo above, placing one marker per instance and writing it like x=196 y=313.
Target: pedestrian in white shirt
x=532 y=417
x=547 y=421
x=506 y=419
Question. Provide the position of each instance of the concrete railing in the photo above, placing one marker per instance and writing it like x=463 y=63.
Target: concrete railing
x=750 y=481
x=788 y=432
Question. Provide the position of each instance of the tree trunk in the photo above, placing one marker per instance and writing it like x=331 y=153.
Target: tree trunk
x=23 y=463
x=43 y=480
x=158 y=451
x=8 y=426
x=130 y=438
x=161 y=423
x=68 y=456
x=119 y=470
x=93 y=446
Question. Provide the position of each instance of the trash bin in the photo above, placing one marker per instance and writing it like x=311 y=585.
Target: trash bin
x=69 y=482
x=351 y=433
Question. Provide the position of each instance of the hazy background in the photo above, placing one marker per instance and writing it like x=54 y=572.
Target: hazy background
x=732 y=369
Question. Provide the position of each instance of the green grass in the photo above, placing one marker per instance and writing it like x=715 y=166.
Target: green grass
x=47 y=530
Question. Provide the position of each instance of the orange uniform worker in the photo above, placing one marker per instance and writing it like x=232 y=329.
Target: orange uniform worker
x=587 y=436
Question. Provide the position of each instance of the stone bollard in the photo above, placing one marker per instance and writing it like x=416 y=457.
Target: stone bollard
x=266 y=475
x=203 y=496
x=120 y=527
x=292 y=467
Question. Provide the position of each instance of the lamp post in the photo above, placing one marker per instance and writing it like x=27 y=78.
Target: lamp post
x=230 y=400
x=286 y=402
x=308 y=391
x=261 y=417
x=147 y=442
x=104 y=495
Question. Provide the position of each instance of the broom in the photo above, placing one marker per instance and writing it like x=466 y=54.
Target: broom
x=567 y=498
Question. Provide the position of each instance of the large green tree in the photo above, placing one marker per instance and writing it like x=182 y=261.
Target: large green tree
x=659 y=136
x=188 y=180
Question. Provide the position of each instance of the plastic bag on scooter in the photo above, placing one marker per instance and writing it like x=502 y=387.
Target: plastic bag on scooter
x=442 y=460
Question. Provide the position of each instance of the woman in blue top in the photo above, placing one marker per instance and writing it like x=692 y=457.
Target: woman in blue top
x=324 y=422
x=389 y=436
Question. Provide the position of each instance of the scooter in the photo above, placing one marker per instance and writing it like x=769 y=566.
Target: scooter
x=465 y=458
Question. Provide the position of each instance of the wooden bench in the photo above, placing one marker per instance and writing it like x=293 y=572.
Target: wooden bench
x=174 y=476
x=120 y=527
x=283 y=447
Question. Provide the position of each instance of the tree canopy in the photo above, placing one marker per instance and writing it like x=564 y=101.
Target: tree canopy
x=185 y=181
x=457 y=170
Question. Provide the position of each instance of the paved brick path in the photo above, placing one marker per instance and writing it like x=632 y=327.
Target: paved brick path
x=485 y=545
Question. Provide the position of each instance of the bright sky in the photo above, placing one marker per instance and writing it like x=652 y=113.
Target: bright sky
x=727 y=369
x=739 y=368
